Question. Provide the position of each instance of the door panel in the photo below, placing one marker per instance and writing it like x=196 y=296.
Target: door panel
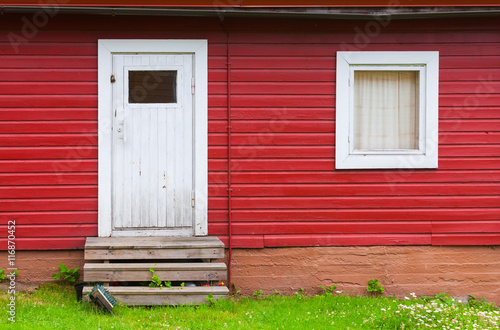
x=152 y=145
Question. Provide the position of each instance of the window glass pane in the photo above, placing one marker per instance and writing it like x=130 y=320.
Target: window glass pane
x=386 y=110
x=152 y=86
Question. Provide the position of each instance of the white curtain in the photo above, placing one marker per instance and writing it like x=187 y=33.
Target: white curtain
x=385 y=110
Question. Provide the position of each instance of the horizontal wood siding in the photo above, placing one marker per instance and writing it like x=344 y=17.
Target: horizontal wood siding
x=285 y=189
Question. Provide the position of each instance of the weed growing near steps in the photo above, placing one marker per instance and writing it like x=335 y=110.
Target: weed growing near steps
x=3 y=276
x=53 y=306
x=156 y=282
x=234 y=289
x=67 y=274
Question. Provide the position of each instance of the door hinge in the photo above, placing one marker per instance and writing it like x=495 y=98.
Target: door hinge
x=192 y=198
x=192 y=85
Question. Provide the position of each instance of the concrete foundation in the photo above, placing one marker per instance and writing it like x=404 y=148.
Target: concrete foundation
x=424 y=270
x=36 y=267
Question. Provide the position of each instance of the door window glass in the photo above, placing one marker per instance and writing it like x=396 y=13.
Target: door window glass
x=152 y=86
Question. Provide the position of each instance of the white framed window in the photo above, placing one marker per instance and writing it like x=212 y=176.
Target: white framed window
x=387 y=110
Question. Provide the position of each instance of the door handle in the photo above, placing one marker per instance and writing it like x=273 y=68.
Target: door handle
x=120 y=129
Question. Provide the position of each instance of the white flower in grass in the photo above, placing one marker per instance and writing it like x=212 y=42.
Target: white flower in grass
x=413 y=294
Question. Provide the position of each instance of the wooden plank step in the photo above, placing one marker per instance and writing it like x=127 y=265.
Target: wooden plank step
x=110 y=272
x=156 y=254
x=153 y=242
x=146 y=296
x=157 y=248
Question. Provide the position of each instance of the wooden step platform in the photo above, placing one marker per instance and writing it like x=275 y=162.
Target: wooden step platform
x=127 y=263
x=115 y=248
x=200 y=271
x=145 y=296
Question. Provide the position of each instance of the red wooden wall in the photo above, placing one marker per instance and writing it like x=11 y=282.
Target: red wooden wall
x=286 y=191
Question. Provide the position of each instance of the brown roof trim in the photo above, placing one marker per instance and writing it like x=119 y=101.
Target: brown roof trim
x=249 y=3
x=317 y=13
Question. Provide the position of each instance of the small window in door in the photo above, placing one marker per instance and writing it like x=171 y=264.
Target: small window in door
x=152 y=86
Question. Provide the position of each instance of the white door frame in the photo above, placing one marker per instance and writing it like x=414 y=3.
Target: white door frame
x=199 y=50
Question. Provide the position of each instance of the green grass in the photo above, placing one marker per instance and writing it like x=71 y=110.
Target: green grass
x=54 y=306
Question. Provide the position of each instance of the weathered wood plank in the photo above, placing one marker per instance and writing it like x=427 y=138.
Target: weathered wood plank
x=152 y=242
x=154 y=253
x=165 y=271
x=146 y=296
x=178 y=266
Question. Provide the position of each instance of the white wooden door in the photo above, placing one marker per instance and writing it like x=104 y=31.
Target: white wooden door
x=152 y=145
